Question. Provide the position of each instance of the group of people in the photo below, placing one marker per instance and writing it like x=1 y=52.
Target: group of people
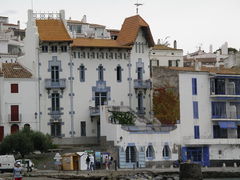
x=107 y=161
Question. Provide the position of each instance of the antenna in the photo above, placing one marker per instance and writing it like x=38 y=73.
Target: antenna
x=137 y=4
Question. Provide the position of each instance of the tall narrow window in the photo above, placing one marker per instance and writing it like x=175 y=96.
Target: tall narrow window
x=14 y=88
x=55 y=73
x=169 y=63
x=83 y=128
x=100 y=98
x=82 y=73
x=142 y=47
x=195 y=109
x=166 y=153
x=150 y=153
x=44 y=49
x=14 y=113
x=131 y=154
x=55 y=102
x=119 y=73
x=140 y=73
x=54 y=48
x=196 y=132
x=194 y=86
x=100 y=73
x=64 y=48
x=140 y=103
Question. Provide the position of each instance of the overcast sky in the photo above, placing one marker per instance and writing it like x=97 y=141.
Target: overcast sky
x=192 y=23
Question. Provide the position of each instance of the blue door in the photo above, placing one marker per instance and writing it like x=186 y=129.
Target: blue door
x=206 y=156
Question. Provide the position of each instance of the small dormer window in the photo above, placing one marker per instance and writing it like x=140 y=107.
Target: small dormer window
x=63 y=48
x=54 y=48
x=44 y=49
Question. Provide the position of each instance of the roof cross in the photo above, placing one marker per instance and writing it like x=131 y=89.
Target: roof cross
x=137 y=4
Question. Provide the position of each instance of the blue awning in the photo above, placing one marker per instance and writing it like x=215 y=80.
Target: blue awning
x=225 y=125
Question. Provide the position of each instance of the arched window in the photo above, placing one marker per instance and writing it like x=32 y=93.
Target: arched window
x=14 y=128
x=166 y=152
x=150 y=153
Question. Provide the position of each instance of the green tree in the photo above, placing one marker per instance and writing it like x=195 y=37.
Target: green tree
x=25 y=142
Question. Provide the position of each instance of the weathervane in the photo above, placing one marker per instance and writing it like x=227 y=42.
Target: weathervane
x=137 y=4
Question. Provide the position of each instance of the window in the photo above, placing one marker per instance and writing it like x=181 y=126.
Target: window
x=54 y=48
x=93 y=55
x=116 y=56
x=44 y=49
x=56 y=129
x=14 y=88
x=55 y=73
x=195 y=109
x=120 y=56
x=219 y=132
x=119 y=73
x=219 y=110
x=194 y=86
x=139 y=47
x=55 y=102
x=136 y=47
x=63 y=48
x=196 y=132
x=88 y=55
x=79 y=55
x=140 y=73
x=131 y=154
x=169 y=63
x=100 y=98
x=102 y=55
x=100 y=73
x=220 y=86
x=166 y=153
x=111 y=55
x=124 y=55
x=83 y=54
x=82 y=73
x=83 y=128
x=150 y=153
x=74 y=54
x=140 y=103
x=238 y=132
x=142 y=47
x=14 y=113
x=106 y=55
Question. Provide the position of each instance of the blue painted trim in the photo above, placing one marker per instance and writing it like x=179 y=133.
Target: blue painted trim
x=131 y=144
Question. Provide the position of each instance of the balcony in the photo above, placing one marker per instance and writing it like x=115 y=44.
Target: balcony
x=50 y=84
x=228 y=92
x=189 y=140
x=14 y=118
x=55 y=115
x=142 y=84
x=230 y=116
x=94 y=111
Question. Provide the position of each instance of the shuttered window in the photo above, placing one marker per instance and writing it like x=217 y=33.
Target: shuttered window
x=14 y=88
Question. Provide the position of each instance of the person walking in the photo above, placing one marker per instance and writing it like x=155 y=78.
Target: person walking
x=17 y=171
x=88 y=162
x=91 y=162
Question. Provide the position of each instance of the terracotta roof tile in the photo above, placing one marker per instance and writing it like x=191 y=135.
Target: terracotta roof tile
x=15 y=70
x=162 y=47
x=100 y=43
x=130 y=29
x=216 y=70
x=52 y=30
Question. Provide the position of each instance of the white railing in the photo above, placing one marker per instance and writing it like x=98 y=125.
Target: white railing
x=48 y=15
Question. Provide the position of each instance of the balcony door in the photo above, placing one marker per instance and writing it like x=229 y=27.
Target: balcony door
x=55 y=73
x=100 y=98
x=14 y=113
x=139 y=73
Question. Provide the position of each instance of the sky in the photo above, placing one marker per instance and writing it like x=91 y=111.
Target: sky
x=193 y=23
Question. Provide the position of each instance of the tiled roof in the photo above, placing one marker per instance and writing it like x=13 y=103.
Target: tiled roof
x=99 y=43
x=15 y=70
x=52 y=30
x=130 y=29
x=203 y=60
x=162 y=47
x=216 y=70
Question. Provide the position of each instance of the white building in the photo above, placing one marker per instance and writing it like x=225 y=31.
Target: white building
x=18 y=99
x=78 y=75
x=162 y=55
x=209 y=114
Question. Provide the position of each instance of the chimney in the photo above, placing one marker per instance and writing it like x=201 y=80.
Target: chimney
x=175 y=44
x=197 y=65
x=18 y=23
x=62 y=14
x=210 y=48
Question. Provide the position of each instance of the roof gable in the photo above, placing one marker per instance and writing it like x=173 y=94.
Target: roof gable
x=130 y=29
x=15 y=70
x=52 y=30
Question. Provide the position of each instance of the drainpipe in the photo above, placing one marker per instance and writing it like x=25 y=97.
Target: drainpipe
x=39 y=98
x=129 y=80
x=71 y=92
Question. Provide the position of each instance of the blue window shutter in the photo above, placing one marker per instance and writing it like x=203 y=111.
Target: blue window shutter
x=194 y=86
x=195 y=109
x=206 y=161
x=196 y=132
